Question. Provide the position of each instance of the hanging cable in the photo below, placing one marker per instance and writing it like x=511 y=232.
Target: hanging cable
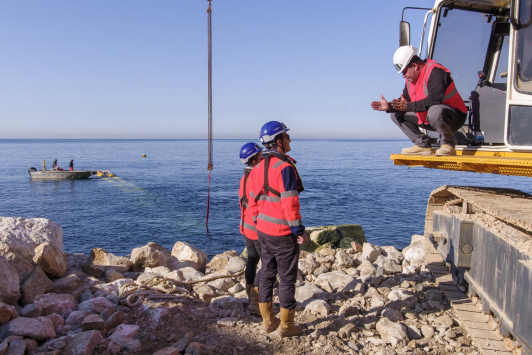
x=209 y=165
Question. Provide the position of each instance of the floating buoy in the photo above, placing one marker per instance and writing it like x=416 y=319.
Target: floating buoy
x=144 y=155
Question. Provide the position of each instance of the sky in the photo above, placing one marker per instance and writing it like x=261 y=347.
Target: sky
x=138 y=69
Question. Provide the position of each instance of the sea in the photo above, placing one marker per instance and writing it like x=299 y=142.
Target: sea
x=162 y=197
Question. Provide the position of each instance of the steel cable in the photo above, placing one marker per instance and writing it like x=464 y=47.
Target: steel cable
x=209 y=138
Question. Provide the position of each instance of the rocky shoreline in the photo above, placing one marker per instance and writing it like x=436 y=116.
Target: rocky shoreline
x=357 y=298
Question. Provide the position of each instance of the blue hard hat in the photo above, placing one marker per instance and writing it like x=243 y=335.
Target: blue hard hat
x=248 y=150
x=270 y=130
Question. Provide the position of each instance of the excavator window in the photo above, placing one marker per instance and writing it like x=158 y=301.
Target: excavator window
x=461 y=45
x=524 y=48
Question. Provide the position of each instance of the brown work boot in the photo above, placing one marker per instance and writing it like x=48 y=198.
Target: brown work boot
x=417 y=150
x=253 y=297
x=269 y=321
x=446 y=149
x=287 y=327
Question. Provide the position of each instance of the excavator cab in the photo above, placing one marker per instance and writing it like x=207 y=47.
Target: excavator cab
x=479 y=240
x=487 y=46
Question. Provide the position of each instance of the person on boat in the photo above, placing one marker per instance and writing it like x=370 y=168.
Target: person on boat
x=275 y=185
x=430 y=100
x=54 y=165
x=250 y=155
x=71 y=165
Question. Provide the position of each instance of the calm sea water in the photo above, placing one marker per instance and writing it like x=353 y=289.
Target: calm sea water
x=163 y=197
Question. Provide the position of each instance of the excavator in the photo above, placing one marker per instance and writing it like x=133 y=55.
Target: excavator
x=484 y=235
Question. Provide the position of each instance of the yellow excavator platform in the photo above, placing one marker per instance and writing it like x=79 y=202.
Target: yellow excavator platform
x=478 y=160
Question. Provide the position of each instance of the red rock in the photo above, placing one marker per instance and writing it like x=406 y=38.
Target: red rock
x=83 y=343
x=39 y=328
x=7 y=312
x=93 y=322
x=54 y=303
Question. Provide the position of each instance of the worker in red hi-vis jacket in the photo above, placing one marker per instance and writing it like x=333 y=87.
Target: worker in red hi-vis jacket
x=275 y=185
x=430 y=101
x=250 y=155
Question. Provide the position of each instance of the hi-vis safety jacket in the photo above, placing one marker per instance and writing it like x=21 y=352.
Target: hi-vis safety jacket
x=247 y=221
x=275 y=185
x=419 y=91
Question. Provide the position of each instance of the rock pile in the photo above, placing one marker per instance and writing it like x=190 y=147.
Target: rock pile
x=359 y=299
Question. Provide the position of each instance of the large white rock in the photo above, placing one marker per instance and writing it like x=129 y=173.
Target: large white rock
x=371 y=252
x=51 y=259
x=343 y=260
x=10 y=282
x=223 y=284
x=417 y=241
x=319 y=307
x=337 y=279
x=205 y=292
x=24 y=235
x=402 y=298
x=388 y=265
x=219 y=261
x=150 y=255
x=307 y=292
x=54 y=303
x=391 y=332
x=393 y=254
x=235 y=264
x=414 y=254
x=160 y=270
x=191 y=274
x=39 y=328
x=366 y=268
x=307 y=266
x=103 y=258
x=195 y=257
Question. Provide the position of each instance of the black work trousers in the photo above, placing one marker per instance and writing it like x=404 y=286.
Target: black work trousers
x=253 y=249
x=441 y=118
x=280 y=255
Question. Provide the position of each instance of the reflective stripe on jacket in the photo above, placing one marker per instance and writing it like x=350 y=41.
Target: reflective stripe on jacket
x=419 y=91
x=247 y=223
x=277 y=215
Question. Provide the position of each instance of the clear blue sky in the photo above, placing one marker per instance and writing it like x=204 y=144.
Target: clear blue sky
x=138 y=69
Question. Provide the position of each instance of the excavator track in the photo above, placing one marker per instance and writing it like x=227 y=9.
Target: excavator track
x=484 y=238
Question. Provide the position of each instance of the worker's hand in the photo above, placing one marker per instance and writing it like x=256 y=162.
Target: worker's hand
x=399 y=104
x=381 y=105
x=302 y=239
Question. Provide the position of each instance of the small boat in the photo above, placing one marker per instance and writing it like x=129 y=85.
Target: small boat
x=59 y=174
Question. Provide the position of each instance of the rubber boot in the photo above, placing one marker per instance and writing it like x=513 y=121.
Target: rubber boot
x=269 y=321
x=287 y=327
x=253 y=297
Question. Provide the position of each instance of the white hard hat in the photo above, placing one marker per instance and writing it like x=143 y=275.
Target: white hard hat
x=402 y=57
